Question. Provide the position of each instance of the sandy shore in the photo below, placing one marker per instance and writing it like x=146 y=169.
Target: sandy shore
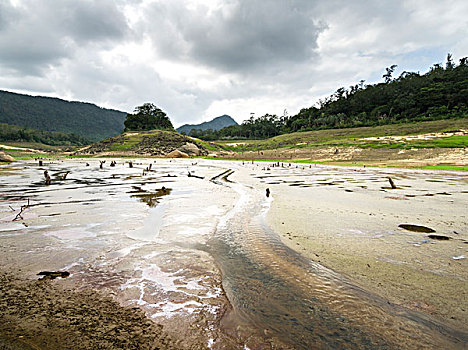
x=347 y=220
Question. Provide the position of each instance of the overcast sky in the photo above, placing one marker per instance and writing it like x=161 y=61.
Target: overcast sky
x=198 y=59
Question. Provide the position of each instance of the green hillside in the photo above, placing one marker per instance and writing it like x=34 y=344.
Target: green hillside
x=85 y=120
x=15 y=133
x=448 y=133
x=440 y=93
x=147 y=143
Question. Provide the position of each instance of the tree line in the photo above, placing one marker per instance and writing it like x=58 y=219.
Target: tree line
x=54 y=138
x=441 y=93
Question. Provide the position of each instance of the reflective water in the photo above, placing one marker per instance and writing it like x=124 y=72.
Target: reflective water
x=301 y=304
x=176 y=246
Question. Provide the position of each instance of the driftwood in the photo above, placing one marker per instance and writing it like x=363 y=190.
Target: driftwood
x=268 y=192
x=392 y=184
x=47 y=178
x=64 y=176
x=40 y=163
x=130 y=164
x=53 y=274
x=101 y=164
x=22 y=209
x=191 y=175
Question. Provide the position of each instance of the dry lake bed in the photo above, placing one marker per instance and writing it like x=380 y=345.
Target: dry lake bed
x=192 y=254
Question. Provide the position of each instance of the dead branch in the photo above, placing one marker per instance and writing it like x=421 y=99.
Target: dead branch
x=64 y=176
x=23 y=208
x=392 y=184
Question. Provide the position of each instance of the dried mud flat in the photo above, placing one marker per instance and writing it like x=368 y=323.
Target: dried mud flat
x=354 y=223
x=157 y=284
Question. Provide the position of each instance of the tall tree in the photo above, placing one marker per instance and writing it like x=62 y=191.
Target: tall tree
x=148 y=117
x=388 y=75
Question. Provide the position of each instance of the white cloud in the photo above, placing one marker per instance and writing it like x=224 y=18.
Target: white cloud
x=199 y=59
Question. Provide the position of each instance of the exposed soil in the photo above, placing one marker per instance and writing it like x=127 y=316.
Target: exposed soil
x=372 y=156
x=43 y=315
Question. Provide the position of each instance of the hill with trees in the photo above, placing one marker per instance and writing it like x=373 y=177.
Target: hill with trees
x=13 y=133
x=147 y=117
x=85 y=120
x=441 y=93
x=214 y=124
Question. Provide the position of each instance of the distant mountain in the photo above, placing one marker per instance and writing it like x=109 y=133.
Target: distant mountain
x=215 y=124
x=53 y=114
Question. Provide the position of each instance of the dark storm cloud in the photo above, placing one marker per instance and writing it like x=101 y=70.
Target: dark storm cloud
x=87 y=21
x=240 y=35
x=36 y=34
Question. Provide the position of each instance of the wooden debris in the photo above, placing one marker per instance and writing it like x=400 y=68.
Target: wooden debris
x=47 y=178
x=53 y=274
x=22 y=209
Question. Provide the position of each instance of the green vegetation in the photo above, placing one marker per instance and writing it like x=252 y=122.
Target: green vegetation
x=359 y=137
x=343 y=163
x=13 y=133
x=85 y=120
x=150 y=142
x=147 y=117
x=441 y=93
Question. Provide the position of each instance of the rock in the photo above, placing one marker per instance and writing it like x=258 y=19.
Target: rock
x=190 y=148
x=177 y=154
x=416 y=228
x=439 y=237
x=6 y=158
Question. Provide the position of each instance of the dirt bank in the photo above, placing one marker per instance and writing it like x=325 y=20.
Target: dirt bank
x=44 y=315
x=373 y=156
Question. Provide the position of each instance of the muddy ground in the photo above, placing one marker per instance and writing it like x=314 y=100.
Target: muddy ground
x=44 y=315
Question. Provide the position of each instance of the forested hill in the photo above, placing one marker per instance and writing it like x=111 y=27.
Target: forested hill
x=215 y=124
x=85 y=120
x=441 y=93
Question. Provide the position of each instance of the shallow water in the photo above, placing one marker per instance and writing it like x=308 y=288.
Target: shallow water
x=299 y=303
x=175 y=245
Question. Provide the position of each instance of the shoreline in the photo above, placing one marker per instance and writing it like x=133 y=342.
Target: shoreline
x=404 y=267
x=338 y=217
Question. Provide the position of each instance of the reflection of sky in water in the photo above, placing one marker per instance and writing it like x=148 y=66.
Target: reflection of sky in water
x=116 y=228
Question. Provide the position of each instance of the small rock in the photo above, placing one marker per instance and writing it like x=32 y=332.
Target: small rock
x=6 y=158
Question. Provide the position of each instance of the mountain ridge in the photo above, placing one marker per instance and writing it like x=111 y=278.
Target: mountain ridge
x=214 y=124
x=83 y=119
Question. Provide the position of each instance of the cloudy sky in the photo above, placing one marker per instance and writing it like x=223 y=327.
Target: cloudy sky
x=198 y=59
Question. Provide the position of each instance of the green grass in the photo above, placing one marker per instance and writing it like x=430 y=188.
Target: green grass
x=352 y=137
x=344 y=163
x=129 y=143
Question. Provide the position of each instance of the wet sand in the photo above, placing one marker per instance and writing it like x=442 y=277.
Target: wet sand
x=187 y=253
x=136 y=238
x=347 y=220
